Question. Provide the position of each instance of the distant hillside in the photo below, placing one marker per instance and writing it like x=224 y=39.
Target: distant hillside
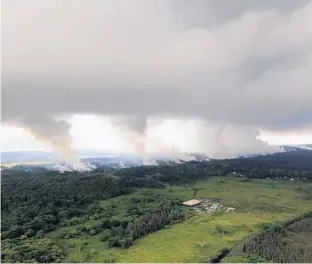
x=31 y=159
x=39 y=156
x=297 y=147
x=27 y=156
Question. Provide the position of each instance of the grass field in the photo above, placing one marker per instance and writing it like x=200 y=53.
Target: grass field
x=197 y=238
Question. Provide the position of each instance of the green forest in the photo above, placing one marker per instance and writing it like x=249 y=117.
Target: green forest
x=287 y=242
x=123 y=215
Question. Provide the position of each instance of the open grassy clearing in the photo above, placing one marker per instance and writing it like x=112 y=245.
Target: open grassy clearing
x=256 y=202
x=196 y=239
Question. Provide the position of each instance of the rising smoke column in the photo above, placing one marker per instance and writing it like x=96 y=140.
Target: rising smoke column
x=228 y=140
x=52 y=133
x=134 y=129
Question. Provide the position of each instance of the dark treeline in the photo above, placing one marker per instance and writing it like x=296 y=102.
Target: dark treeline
x=286 y=243
x=125 y=235
x=296 y=164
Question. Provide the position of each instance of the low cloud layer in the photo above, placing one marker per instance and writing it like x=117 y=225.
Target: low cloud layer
x=244 y=65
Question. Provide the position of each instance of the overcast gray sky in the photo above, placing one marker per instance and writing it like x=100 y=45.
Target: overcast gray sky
x=243 y=66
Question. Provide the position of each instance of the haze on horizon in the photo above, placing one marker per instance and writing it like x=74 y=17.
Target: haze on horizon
x=94 y=133
x=219 y=77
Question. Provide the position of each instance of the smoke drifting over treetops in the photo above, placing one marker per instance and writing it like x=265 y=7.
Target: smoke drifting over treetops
x=239 y=65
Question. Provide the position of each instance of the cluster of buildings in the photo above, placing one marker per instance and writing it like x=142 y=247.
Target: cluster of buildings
x=287 y=178
x=207 y=205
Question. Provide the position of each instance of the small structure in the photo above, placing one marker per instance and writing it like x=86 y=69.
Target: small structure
x=208 y=205
x=192 y=202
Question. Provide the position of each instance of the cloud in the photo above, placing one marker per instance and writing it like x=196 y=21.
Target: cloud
x=245 y=65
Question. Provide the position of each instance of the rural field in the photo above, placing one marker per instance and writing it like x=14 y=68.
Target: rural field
x=201 y=235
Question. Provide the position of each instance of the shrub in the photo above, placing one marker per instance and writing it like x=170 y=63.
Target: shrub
x=93 y=232
x=221 y=231
x=105 y=236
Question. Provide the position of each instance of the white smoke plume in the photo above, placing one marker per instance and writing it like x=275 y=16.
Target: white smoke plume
x=229 y=141
x=74 y=167
x=133 y=128
x=210 y=138
x=53 y=133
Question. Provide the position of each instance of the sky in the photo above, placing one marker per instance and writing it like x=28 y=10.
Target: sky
x=221 y=77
